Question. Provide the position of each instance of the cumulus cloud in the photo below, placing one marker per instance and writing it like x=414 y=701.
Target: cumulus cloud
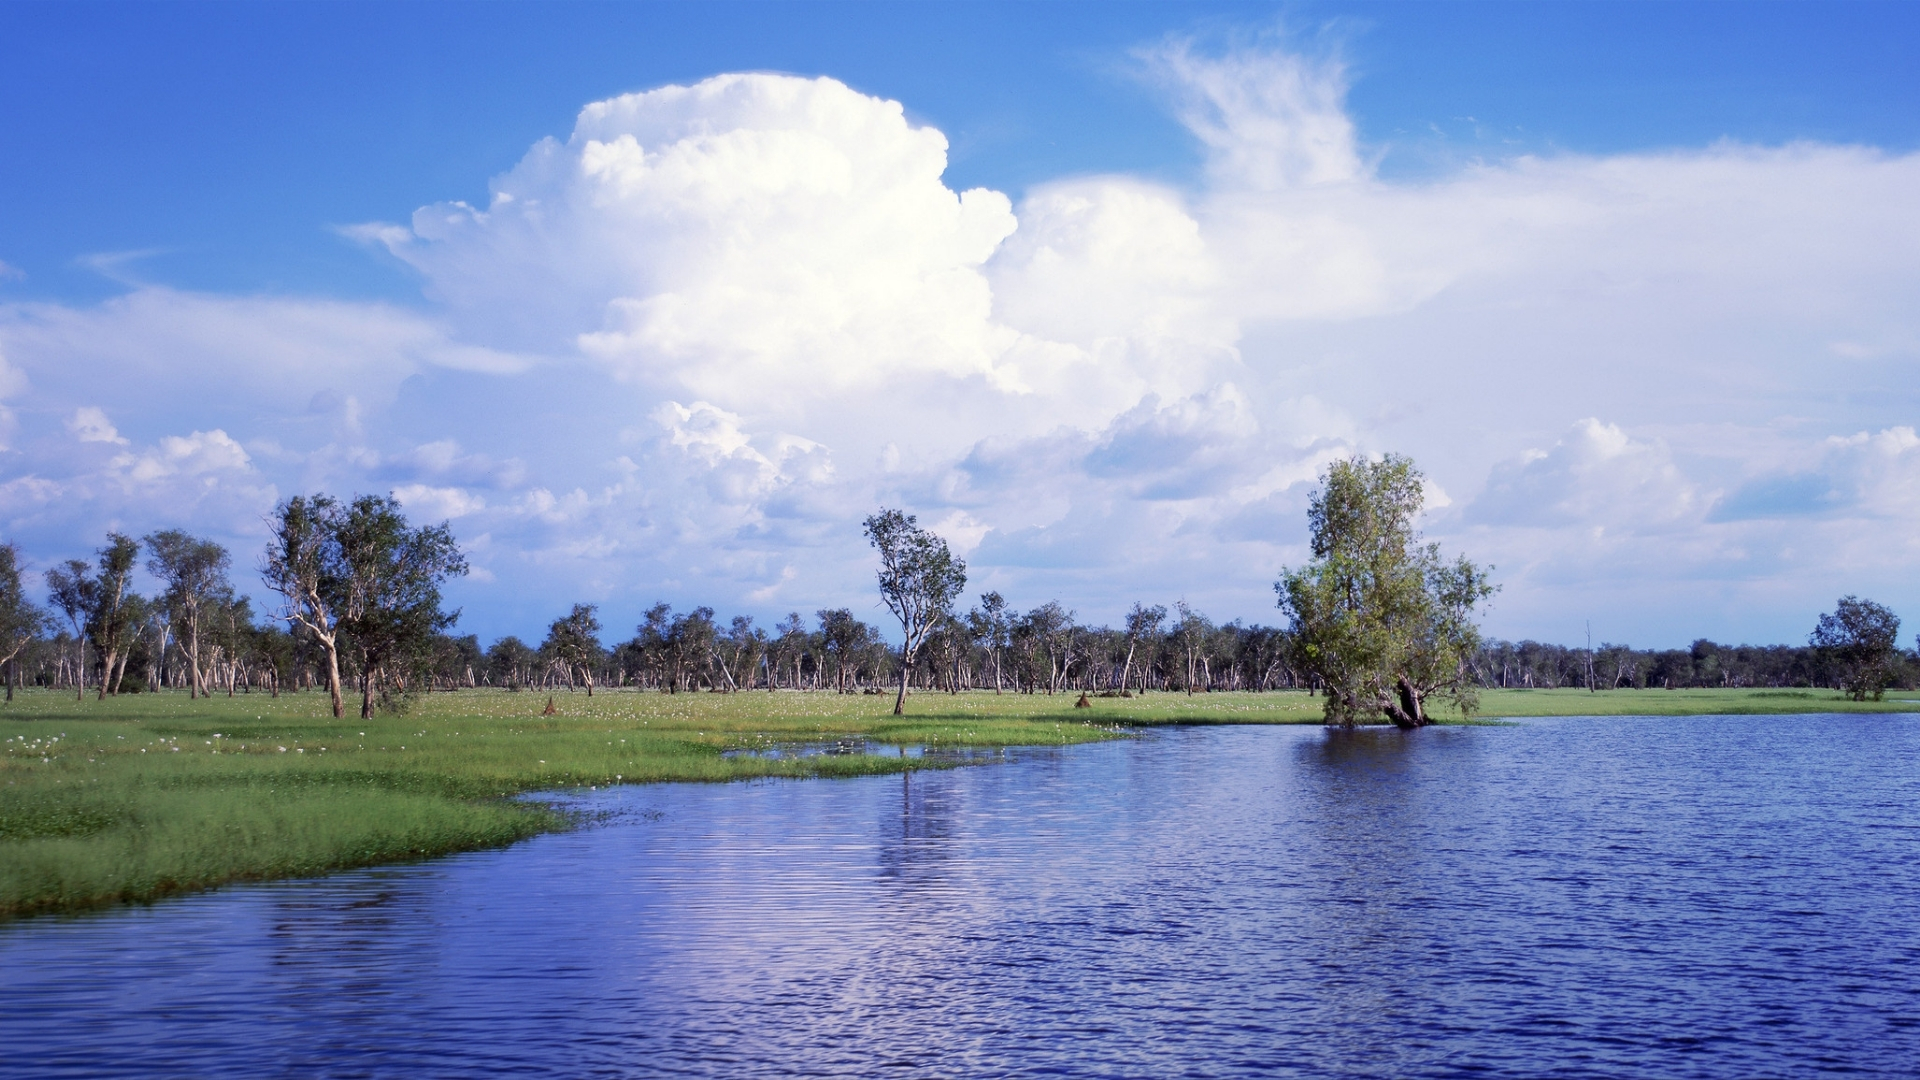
x=791 y=232
x=1873 y=475
x=683 y=350
x=1595 y=476
x=90 y=424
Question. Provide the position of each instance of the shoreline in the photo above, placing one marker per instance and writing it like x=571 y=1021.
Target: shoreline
x=146 y=796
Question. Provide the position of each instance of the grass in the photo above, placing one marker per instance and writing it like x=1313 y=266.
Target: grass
x=145 y=796
x=1574 y=702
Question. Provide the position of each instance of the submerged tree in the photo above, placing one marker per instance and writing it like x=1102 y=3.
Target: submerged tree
x=1862 y=637
x=919 y=581
x=1381 y=619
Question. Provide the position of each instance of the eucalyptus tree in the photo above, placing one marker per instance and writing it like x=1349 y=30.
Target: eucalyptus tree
x=1380 y=618
x=1863 y=638
x=991 y=624
x=194 y=572
x=99 y=605
x=21 y=621
x=677 y=646
x=1191 y=631
x=1143 y=628
x=303 y=564
x=70 y=591
x=919 y=581
x=1048 y=631
x=789 y=646
x=508 y=660
x=117 y=612
x=574 y=642
x=388 y=580
x=842 y=638
x=737 y=651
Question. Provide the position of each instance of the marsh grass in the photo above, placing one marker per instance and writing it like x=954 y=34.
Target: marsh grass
x=144 y=796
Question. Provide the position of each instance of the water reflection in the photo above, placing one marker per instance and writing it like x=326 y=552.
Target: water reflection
x=1568 y=898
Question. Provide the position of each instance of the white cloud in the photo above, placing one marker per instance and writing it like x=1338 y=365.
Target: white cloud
x=686 y=349
x=1270 y=119
x=90 y=424
x=438 y=503
x=748 y=231
x=1594 y=477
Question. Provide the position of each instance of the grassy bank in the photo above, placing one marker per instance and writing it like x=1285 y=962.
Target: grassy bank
x=144 y=796
x=1523 y=703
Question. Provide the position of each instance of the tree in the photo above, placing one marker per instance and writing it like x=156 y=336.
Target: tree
x=1381 y=619
x=194 y=572
x=1143 y=628
x=738 y=650
x=1050 y=627
x=303 y=565
x=990 y=625
x=919 y=581
x=508 y=660
x=575 y=641
x=99 y=606
x=1862 y=638
x=69 y=589
x=388 y=579
x=116 y=611
x=842 y=637
x=21 y=621
x=1192 y=630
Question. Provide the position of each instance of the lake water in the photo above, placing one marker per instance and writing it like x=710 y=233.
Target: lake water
x=1714 y=897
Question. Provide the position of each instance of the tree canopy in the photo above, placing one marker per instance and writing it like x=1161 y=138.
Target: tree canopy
x=1380 y=619
x=1862 y=637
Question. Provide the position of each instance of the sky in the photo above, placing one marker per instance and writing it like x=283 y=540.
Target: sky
x=659 y=301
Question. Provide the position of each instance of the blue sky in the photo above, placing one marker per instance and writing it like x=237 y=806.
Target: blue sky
x=1631 y=281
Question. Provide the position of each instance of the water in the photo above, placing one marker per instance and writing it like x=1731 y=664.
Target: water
x=1725 y=897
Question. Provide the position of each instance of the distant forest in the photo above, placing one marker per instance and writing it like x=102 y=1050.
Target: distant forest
x=1045 y=650
x=360 y=594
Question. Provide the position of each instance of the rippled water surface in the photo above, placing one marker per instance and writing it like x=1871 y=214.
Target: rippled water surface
x=1731 y=897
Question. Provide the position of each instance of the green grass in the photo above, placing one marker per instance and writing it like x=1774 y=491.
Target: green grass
x=1523 y=703
x=144 y=796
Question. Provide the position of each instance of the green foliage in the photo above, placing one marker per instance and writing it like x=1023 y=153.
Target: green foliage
x=1862 y=637
x=573 y=641
x=21 y=621
x=1380 y=619
x=919 y=582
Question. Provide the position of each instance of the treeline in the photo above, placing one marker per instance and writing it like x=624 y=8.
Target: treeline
x=1532 y=664
x=361 y=609
x=1042 y=651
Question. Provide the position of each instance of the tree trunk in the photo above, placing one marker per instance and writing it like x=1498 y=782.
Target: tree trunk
x=366 y=694
x=333 y=679
x=1407 y=713
x=900 y=702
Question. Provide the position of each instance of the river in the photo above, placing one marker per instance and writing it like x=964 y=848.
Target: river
x=1619 y=897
